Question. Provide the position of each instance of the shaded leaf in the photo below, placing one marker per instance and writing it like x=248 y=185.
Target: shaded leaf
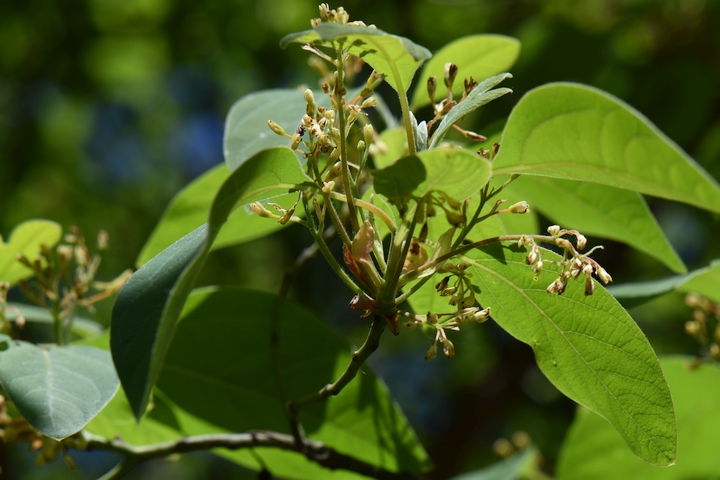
x=588 y=347
x=396 y=58
x=58 y=390
x=190 y=208
x=39 y=324
x=148 y=306
x=511 y=468
x=576 y=132
x=594 y=450
x=478 y=97
x=599 y=210
x=25 y=239
x=477 y=56
x=230 y=389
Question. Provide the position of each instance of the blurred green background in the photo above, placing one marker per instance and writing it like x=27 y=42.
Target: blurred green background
x=108 y=107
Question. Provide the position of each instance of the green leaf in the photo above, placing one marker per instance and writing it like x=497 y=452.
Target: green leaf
x=148 y=306
x=478 y=97
x=39 y=323
x=599 y=210
x=511 y=468
x=705 y=281
x=594 y=450
x=576 y=132
x=246 y=126
x=477 y=56
x=26 y=239
x=190 y=208
x=588 y=347
x=395 y=147
x=455 y=171
x=58 y=390
x=396 y=58
x=222 y=371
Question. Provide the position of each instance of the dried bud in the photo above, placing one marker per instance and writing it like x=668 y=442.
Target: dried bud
x=520 y=207
x=554 y=230
x=475 y=137
x=470 y=85
x=448 y=348
x=447 y=107
x=604 y=277
x=325 y=87
x=531 y=257
x=451 y=71
x=589 y=286
x=442 y=284
x=277 y=129
x=431 y=353
x=431 y=88
x=537 y=268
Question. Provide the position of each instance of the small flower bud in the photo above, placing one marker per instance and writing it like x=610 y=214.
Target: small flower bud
x=442 y=284
x=361 y=146
x=503 y=448
x=581 y=241
x=327 y=187
x=431 y=88
x=369 y=102
x=295 y=143
x=410 y=325
x=432 y=318
x=451 y=71
x=454 y=300
x=554 y=230
x=368 y=133
x=456 y=219
x=103 y=240
x=447 y=107
x=448 y=348
x=520 y=207
x=475 y=137
x=259 y=209
x=531 y=257
x=563 y=243
x=604 y=277
x=587 y=269
x=277 y=128
x=310 y=99
x=431 y=353
x=482 y=315
x=521 y=440
x=692 y=328
x=446 y=292
x=589 y=286
x=470 y=85
x=537 y=268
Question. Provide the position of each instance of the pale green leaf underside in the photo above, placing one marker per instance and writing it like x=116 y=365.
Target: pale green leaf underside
x=235 y=390
x=576 y=132
x=396 y=58
x=599 y=210
x=148 y=306
x=58 y=390
x=477 y=56
x=593 y=450
x=190 y=208
x=705 y=281
x=455 y=171
x=588 y=347
x=26 y=239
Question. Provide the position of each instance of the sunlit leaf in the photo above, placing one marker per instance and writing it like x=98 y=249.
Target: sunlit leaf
x=58 y=390
x=576 y=132
x=147 y=308
x=396 y=58
x=587 y=346
x=190 y=208
x=455 y=171
x=228 y=388
x=25 y=239
x=394 y=146
x=599 y=210
x=593 y=450
x=477 y=56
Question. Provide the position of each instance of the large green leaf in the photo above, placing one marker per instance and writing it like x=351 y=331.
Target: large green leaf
x=25 y=239
x=396 y=58
x=221 y=370
x=246 y=126
x=599 y=210
x=705 y=281
x=576 y=132
x=455 y=171
x=478 y=97
x=477 y=56
x=395 y=147
x=587 y=346
x=58 y=390
x=511 y=468
x=190 y=208
x=594 y=450
x=147 y=308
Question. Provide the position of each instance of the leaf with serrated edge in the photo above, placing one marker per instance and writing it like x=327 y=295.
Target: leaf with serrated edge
x=587 y=346
x=599 y=210
x=576 y=132
x=593 y=450
x=148 y=306
x=59 y=389
x=477 y=56
x=190 y=207
x=26 y=239
x=396 y=58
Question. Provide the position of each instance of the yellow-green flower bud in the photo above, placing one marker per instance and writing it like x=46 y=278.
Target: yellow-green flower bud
x=431 y=88
x=431 y=353
x=604 y=277
x=520 y=207
x=361 y=146
x=295 y=143
x=554 y=230
x=277 y=129
x=369 y=103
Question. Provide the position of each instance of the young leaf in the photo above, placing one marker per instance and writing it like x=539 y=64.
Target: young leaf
x=587 y=346
x=478 y=97
x=455 y=171
x=477 y=56
x=705 y=281
x=147 y=308
x=25 y=239
x=230 y=389
x=593 y=450
x=58 y=390
x=190 y=207
x=511 y=468
x=576 y=132
x=396 y=58
x=599 y=210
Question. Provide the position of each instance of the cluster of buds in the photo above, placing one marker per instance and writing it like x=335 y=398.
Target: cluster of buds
x=286 y=214
x=520 y=440
x=460 y=292
x=698 y=328
x=338 y=15
x=66 y=276
x=573 y=263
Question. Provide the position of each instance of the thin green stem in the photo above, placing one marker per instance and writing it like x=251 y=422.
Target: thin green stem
x=334 y=264
x=370 y=208
x=340 y=99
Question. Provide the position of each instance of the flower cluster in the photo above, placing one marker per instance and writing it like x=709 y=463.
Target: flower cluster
x=573 y=263
x=337 y=15
x=704 y=309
